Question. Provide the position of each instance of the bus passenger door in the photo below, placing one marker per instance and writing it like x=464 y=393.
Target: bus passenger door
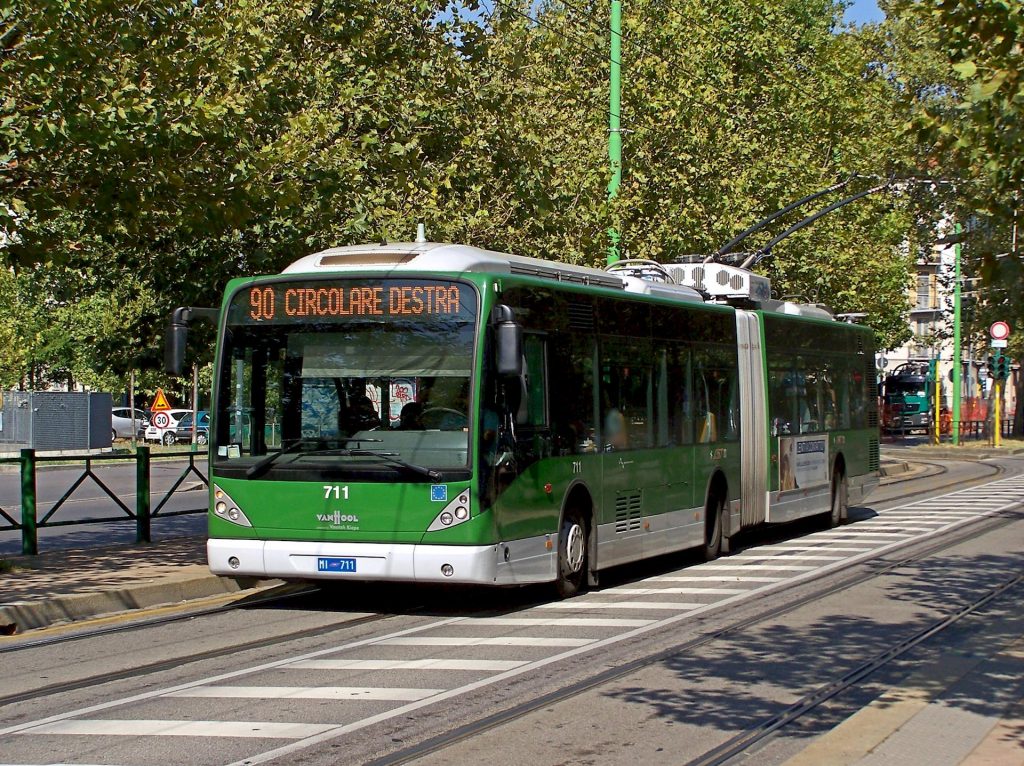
x=629 y=467
x=753 y=420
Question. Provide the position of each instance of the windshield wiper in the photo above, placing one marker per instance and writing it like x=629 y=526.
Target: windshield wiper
x=392 y=457
x=259 y=468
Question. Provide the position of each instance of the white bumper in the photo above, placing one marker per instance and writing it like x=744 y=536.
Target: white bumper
x=373 y=561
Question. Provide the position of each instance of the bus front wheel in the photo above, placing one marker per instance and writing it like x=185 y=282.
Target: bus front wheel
x=572 y=554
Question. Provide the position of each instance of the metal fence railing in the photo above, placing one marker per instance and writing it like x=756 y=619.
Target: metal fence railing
x=32 y=517
x=970 y=430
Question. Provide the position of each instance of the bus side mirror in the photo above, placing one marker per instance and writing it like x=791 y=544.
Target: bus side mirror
x=175 y=340
x=176 y=336
x=508 y=337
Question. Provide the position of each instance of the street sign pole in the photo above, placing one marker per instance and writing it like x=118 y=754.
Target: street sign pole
x=997 y=427
x=999 y=332
x=957 y=383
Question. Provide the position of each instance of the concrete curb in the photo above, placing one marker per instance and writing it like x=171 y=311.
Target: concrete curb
x=894 y=468
x=21 y=616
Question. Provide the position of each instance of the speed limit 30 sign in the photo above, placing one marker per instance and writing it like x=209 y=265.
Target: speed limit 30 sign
x=161 y=420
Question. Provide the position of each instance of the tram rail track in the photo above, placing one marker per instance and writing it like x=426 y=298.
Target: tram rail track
x=304 y=590
x=275 y=598
x=177 y=662
x=766 y=728
x=737 y=745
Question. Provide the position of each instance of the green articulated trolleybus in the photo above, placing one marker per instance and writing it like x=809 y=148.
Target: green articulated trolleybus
x=439 y=413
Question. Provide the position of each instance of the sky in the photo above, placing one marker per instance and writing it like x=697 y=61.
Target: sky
x=863 y=11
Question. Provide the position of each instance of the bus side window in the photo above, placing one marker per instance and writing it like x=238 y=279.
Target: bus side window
x=571 y=393
x=627 y=395
x=533 y=408
x=843 y=397
x=707 y=421
x=673 y=418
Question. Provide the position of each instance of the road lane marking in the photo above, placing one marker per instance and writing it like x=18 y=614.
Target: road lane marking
x=373 y=693
x=787 y=557
x=672 y=591
x=824 y=547
x=580 y=603
x=845 y=536
x=480 y=641
x=132 y=728
x=759 y=567
x=422 y=664
x=568 y=622
x=716 y=578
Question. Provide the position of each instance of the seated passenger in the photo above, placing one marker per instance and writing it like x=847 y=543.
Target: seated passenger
x=411 y=417
x=615 y=435
x=363 y=415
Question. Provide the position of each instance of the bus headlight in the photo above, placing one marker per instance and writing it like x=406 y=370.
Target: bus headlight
x=453 y=514
x=227 y=509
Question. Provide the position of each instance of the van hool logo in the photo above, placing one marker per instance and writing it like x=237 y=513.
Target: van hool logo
x=338 y=518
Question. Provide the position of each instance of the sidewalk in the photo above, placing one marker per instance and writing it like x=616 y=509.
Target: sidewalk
x=63 y=586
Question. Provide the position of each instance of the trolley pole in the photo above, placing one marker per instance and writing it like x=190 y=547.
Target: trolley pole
x=957 y=363
x=614 y=122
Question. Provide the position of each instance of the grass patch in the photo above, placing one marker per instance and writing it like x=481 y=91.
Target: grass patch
x=6 y=567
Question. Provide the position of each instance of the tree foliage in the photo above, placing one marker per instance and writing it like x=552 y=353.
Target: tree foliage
x=152 y=151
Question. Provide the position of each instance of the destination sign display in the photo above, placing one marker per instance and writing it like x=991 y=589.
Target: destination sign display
x=295 y=302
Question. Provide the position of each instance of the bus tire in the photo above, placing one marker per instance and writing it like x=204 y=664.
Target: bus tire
x=572 y=554
x=713 y=520
x=840 y=499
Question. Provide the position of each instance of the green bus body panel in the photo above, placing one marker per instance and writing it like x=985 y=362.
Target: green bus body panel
x=385 y=512
x=530 y=505
x=668 y=480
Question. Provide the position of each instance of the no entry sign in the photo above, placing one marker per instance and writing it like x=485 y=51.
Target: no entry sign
x=999 y=331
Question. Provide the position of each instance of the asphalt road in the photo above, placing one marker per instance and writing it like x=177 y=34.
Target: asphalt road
x=663 y=664
x=90 y=501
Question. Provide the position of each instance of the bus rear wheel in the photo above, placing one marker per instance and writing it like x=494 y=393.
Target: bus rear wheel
x=713 y=528
x=572 y=555
x=840 y=499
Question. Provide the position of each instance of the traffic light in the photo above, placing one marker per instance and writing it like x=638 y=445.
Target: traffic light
x=1002 y=367
x=991 y=366
x=932 y=364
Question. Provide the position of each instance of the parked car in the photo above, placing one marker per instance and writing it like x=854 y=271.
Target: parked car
x=183 y=431
x=164 y=434
x=124 y=426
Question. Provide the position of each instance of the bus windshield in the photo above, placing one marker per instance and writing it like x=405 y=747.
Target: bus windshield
x=358 y=379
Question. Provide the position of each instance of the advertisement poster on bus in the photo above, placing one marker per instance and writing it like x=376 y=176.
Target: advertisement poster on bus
x=803 y=461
